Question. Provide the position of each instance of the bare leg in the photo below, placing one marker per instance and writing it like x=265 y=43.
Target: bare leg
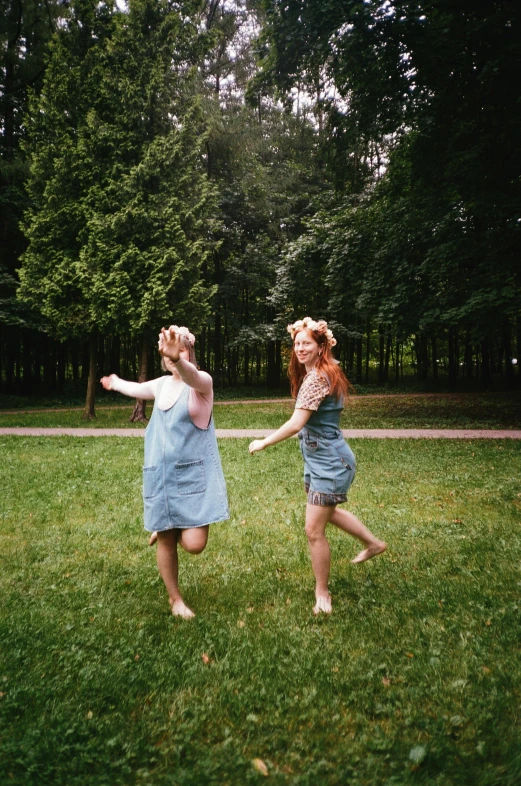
x=192 y=540
x=349 y=523
x=316 y=522
x=152 y=539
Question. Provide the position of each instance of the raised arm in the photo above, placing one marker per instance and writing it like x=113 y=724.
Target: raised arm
x=200 y=381
x=170 y=346
x=291 y=427
x=142 y=390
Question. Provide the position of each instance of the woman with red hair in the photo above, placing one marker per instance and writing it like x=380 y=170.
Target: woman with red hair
x=320 y=388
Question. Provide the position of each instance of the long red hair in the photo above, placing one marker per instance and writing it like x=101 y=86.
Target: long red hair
x=326 y=366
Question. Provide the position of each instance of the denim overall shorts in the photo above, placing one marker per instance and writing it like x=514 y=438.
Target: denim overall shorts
x=329 y=462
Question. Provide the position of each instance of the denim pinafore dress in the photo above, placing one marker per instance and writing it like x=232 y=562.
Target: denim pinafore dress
x=183 y=481
x=329 y=462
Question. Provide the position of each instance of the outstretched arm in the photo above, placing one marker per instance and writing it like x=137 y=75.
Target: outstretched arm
x=143 y=390
x=292 y=426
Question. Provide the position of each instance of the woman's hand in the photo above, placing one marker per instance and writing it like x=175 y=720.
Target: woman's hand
x=170 y=344
x=256 y=445
x=107 y=382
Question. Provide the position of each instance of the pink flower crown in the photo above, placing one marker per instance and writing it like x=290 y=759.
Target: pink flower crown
x=183 y=331
x=319 y=327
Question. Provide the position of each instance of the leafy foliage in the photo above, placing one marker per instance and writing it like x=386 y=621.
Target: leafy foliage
x=116 y=232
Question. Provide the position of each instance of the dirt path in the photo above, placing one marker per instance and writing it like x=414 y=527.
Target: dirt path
x=355 y=433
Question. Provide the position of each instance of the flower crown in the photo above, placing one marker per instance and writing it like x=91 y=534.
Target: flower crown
x=319 y=327
x=183 y=331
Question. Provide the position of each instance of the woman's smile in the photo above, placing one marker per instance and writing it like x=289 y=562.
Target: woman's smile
x=306 y=348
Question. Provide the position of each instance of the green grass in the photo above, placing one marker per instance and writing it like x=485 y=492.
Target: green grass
x=486 y=410
x=110 y=417
x=414 y=679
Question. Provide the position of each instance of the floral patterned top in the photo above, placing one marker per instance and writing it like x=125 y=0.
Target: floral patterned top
x=312 y=392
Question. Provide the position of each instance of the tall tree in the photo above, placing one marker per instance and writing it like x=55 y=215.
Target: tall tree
x=26 y=27
x=432 y=82
x=115 y=231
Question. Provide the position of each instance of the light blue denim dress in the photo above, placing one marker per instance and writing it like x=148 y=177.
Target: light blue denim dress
x=183 y=482
x=329 y=462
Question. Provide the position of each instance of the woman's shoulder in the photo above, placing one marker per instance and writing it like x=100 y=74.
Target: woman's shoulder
x=313 y=390
x=315 y=378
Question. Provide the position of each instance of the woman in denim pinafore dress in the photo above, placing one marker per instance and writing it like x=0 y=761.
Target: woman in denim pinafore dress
x=320 y=388
x=183 y=483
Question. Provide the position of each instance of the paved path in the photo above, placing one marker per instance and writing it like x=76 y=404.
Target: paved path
x=353 y=433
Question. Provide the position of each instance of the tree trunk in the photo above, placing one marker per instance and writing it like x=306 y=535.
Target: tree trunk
x=217 y=359
x=37 y=361
x=381 y=355
x=278 y=360
x=27 y=383
x=452 y=359
x=273 y=359
x=61 y=352
x=468 y=359
x=89 y=413
x=270 y=358
x=17 y=360
x=518 y=346
x=74 y=360
x=115 y=355
x=507 y=348
x=9 y=361
x=456 y=350
x=139 y=414
x=209 y=352
x=368 y=350
x=49 y=365
x=485 y=362
x=350 y=352
x=387 y=354
x=359 y=359
x=434 y=349
x=246 y=364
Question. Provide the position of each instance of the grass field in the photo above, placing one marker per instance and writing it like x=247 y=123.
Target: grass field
x=414 y=679
x=485 y=410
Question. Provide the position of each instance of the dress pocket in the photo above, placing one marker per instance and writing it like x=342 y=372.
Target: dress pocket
x=190 y=478
x=310 y=444
x=150 y=477
x=346 y=456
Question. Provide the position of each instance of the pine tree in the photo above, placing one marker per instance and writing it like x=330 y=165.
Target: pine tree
x=116 y=231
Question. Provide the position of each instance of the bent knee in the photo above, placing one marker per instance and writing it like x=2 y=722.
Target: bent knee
x=194 y=548
x=193 y=544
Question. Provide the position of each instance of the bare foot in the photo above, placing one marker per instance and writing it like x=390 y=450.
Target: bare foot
x=152 y=539
x=323 y=605
x=370 y=552
x=180 y=609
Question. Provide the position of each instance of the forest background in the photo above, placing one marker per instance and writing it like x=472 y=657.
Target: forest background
x=233 y=166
